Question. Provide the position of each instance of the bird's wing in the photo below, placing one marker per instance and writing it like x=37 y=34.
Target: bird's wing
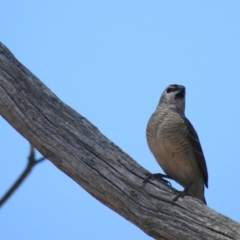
x=197 y=149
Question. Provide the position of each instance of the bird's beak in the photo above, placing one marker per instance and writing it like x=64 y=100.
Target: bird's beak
x=181 y=92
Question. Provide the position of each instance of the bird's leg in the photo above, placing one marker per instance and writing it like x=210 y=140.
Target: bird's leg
x=156 y=176
x=183 y=193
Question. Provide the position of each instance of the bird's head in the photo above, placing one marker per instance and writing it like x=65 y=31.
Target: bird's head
x=173 y=97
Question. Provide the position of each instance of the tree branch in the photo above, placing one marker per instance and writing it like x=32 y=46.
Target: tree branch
x=31 y=163
x=78 y=149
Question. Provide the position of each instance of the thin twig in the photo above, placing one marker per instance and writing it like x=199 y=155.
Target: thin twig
x=31 y=163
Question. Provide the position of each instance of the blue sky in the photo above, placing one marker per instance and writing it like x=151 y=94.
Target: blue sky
x=110 y=61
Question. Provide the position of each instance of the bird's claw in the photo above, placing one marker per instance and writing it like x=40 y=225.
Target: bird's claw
x=156 y=176
x=181 y=194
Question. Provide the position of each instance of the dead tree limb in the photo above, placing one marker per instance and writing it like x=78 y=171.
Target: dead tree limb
x=78 y=149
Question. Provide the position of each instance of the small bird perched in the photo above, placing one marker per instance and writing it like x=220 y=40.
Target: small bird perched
x=175 y=144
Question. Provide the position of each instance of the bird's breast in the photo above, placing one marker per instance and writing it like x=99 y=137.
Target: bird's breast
x=166 y=136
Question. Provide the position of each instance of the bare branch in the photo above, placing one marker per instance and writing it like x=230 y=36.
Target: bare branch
x=78 y=148
x=31 y=163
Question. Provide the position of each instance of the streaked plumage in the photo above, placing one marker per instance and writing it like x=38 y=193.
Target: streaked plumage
x=175 y=143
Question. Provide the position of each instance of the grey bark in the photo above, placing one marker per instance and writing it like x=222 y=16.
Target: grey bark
x=81 y=151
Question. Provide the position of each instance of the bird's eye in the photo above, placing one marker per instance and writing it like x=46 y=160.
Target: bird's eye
x=171 y=89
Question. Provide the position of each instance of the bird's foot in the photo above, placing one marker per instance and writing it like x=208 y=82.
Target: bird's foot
x=156 y=176
x=182 y=194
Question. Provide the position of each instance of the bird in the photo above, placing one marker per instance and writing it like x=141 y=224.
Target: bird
x=175 y=145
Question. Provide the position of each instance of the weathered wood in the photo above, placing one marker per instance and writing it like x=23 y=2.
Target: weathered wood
x=78 y=149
